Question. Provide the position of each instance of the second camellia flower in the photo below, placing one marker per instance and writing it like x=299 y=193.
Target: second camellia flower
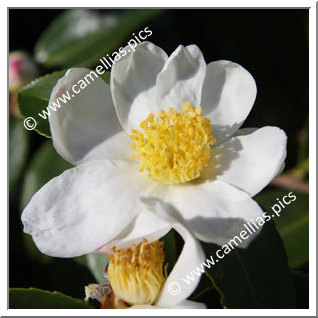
x=137 y=271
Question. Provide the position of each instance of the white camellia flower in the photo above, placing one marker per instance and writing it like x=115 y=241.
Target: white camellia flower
x=166 y=107
x=136 y=270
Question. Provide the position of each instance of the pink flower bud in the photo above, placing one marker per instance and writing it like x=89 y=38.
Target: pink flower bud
x=22 y=70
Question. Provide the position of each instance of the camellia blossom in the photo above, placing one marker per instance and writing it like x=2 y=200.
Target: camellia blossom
x=165 y=130
x=137 y=269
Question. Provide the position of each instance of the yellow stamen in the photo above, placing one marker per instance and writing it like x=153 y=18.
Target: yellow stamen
x=136 y=274
x=174 y=147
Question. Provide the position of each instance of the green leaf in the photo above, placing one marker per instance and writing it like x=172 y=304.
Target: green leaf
x=18 y=150
x=301 y=170
x=170 y=249
x=33 y=298
x=303 y=151
x=256 y=277
x=34 y=98
x=207 y=294
x=45 y=165
x=106 y=77
x=301 y=282
x=292 y=224
x=81 y=37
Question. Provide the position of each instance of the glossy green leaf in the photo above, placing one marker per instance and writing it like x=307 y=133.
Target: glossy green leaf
x=292 y=224
x=34 y=98
x=81 y=37
x=301 y=169
x=301 y=282
x=18 y=150
x=45 y=165
x=256 y=277
x=303 y=151
x=33 y=298
x=106 y=77
x=210 y=297
x=207 y=294
x=170 y=249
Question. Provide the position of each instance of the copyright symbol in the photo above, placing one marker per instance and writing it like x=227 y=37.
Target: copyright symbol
x=29 y=123
x=174 y=288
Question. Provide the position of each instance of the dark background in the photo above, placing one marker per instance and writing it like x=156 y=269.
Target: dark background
x=271 y=44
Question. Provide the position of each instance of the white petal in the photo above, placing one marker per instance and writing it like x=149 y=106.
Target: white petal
x=84 y=208
x=133 y=81
x=191 y=256
x=84 y=121
x=249 y=161
x=115 y=147
x=228 y=95
x=181 y=78
x=147 y=225
x=214 y=211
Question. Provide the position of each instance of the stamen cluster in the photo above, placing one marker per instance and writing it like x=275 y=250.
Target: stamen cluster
x=174 y=147
x=137 y=274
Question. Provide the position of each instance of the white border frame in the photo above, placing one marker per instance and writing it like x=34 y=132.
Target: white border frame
x=312 y=155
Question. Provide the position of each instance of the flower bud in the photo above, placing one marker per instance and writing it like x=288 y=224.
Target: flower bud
x=22 y=70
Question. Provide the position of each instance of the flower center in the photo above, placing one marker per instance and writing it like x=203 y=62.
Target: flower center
x=137 y=274
x=174 y=147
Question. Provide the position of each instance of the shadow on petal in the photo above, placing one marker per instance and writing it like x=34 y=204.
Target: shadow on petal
x=221 y=158
x=210 y=229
